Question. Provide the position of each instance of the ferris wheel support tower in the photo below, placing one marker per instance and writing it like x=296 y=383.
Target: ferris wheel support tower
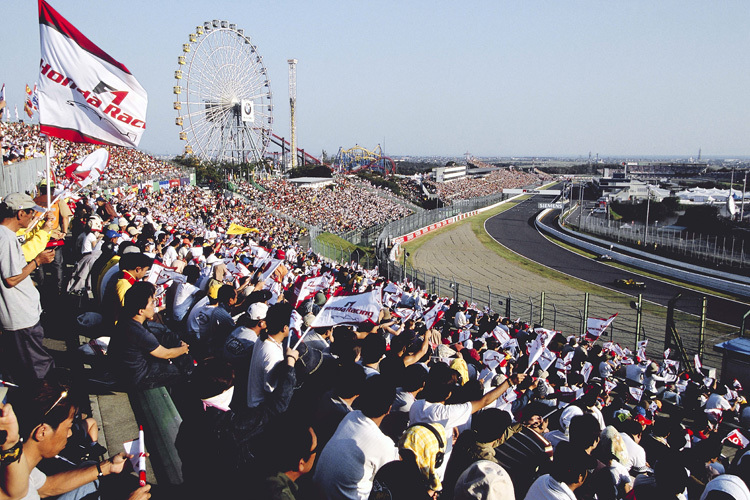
x=292 y=106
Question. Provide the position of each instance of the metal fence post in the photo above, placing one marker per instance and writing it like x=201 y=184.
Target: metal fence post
x=554 y=316
x=585 y=312
x=581 y=323
x=471 y=293
x=638 y=318
x=531 y=311
x=507 y=307
x=702 y=329
x=489 y=297
x=541 y=313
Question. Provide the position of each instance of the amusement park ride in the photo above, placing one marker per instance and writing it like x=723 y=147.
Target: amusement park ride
x=358 y=158
x=224 y=108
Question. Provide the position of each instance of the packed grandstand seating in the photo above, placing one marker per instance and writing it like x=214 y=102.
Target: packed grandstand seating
x=343 y=206
x=127 y=166
x=495 y=182
x=388 y=371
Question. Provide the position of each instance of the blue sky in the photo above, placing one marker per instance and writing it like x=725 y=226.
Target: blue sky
x=495 y=78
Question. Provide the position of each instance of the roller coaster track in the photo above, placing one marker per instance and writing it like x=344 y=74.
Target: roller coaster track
x=302 y=155
x=358 y=158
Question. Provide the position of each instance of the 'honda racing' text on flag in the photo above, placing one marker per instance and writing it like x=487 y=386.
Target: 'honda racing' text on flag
x=84 y=94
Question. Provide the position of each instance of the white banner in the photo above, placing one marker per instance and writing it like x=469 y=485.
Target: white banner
x=85 y=171
x=84 y=94
x=350 y=309
x=433 y=315
x=596 y=326
x=546 y=359
x=312 y=286
x=539 y=344
x=501 y=334
x=737 y=438
x=636 y=393
x=586 y=371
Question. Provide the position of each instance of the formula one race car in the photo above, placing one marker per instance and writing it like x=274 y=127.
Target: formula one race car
x=630 y=283
x=603 y=258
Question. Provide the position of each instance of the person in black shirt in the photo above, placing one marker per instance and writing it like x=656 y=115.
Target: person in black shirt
x=140 y=360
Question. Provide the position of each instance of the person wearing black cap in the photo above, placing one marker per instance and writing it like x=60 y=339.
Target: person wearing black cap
x=105 y=210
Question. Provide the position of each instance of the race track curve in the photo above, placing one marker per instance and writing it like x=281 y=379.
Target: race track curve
x=515 y=229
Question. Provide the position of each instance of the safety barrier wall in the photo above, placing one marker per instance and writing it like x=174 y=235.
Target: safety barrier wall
x=673 y=272
x=670 y=262
x=22 y=175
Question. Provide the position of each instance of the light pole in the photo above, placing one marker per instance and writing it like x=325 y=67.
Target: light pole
x=648 y=209
x=742 y=207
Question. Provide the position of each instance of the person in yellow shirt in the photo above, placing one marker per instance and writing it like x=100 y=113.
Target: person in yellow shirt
x=133 y=267
x=59 y=213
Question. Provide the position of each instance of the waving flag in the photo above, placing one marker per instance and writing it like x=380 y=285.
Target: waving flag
x=539 y=344
x=433 y=315
x=350 y=309
x=312 y=286
x=546 y=359
x=84 y=94
x=596 y=326
x=85 y=171
x=737 y=438
x=237 y=229
x=636 y=393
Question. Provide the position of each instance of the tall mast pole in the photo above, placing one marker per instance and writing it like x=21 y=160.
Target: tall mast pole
x=292 y=106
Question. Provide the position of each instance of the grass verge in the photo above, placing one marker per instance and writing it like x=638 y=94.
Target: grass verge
x=338 y=244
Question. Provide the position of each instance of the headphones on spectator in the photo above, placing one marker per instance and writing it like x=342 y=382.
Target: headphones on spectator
x=440 y=455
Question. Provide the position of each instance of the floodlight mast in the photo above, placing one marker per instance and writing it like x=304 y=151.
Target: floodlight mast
x=292 y=106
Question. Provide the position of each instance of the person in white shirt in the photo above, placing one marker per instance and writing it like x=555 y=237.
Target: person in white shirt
x=268 y=351
x=460 y=320
x=632 y=431
x=170 y=254
x=570 y=467
x=185 y=295
x=358 y=449
x=433 y=408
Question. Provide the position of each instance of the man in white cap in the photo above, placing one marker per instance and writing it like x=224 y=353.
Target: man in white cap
x=24 y=359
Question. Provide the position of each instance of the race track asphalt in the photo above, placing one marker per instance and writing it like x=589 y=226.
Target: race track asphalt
x=515 y=229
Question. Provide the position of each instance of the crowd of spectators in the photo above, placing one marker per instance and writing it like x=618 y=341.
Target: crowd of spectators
x=345 y=205
x=22 y=141
x=471 y=187
x=301 y=378
x=411 y=396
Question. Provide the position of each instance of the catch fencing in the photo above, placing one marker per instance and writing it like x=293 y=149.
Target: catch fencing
x=636 y=320
x=717 y=250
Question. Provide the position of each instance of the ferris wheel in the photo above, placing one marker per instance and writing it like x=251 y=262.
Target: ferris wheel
x=222 y=95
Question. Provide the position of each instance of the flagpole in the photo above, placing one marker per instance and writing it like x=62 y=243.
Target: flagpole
x=47 y=173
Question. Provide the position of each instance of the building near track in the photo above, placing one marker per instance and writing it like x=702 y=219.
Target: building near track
x=451 y=173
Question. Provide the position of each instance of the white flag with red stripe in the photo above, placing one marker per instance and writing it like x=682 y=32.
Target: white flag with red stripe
x=539 y=344
x=737 y=438
x=312 y=286
x=84 y=94
x=636 y=393
x=433 y=315
x=596 y=326
x=85 y=171
x=350 y=309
